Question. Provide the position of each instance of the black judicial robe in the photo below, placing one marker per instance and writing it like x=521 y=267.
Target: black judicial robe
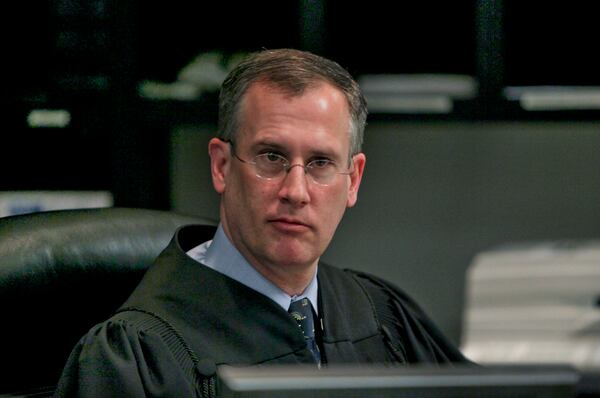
x=217 y=320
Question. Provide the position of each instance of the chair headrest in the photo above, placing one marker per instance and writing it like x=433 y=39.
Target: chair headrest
x=61 y=272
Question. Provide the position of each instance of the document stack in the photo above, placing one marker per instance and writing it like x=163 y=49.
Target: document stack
x=535 y=303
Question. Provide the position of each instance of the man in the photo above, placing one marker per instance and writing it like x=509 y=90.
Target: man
x=287 y=163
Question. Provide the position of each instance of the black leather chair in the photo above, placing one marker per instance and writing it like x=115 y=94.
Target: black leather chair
x=61 y=272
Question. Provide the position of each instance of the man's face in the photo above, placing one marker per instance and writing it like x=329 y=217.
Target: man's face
x=284 y=225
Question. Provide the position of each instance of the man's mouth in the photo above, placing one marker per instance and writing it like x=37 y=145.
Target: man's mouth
x=289 y=224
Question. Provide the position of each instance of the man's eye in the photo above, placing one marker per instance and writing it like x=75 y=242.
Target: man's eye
x=321 y=163
x=273 y=157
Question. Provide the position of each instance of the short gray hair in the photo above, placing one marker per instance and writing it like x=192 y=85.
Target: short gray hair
x=291 y=71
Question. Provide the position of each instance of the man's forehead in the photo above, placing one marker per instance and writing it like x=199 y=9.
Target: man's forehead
x=267 y=123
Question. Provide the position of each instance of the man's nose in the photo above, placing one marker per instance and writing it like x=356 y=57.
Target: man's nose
x=294 y=188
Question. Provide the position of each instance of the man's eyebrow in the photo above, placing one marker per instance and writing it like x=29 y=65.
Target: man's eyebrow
x=312 y=153
x=268 y=144
x=324 y=152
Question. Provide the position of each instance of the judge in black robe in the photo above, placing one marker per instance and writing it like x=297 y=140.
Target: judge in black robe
x=212 y=320
x=287 y=162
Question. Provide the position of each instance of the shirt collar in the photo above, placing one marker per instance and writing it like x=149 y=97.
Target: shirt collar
x=220 y=255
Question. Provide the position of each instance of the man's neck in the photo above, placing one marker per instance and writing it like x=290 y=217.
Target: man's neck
x=292 y=279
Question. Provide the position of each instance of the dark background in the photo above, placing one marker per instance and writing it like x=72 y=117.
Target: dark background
x=438 y=188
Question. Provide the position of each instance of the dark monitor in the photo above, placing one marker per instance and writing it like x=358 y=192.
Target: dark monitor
x=390 y=381
x=554 y=44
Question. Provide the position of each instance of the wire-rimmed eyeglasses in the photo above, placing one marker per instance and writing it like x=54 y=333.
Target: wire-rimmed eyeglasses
x=273 y=166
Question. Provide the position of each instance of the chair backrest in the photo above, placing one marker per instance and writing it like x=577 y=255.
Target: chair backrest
x=62 y=272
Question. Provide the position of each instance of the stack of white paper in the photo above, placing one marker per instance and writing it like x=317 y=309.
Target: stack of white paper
x=537 y=303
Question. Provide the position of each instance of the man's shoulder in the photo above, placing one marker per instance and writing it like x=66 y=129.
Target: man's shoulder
x=367 y=282
x=386 y=298
x=406 y=326
x=123 y=327
x=123 y=355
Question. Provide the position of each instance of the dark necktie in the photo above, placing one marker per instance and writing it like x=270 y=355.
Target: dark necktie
x=301 y=311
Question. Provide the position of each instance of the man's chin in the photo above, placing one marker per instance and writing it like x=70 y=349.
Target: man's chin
x=294 y=257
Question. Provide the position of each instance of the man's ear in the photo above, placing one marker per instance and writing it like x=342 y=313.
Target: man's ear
x=218 y=151
x=358 y=161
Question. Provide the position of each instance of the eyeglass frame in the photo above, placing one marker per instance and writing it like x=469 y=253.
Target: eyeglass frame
x=287 y=167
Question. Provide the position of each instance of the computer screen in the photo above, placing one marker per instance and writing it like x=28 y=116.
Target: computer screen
x=523 y=381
